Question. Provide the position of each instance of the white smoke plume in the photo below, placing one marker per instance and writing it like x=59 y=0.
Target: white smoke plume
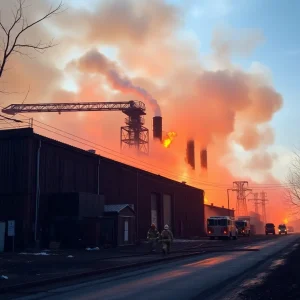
x=95 y=62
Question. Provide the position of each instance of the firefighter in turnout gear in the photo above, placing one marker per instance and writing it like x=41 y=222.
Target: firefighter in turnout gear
x=153 y=237
x=167 y=239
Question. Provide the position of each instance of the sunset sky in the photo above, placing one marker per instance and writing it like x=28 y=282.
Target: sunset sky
x=276 y=55
x=222 y=72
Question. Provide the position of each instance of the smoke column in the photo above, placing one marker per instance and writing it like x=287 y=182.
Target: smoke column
x=125 y=85
x=190 y=153
x=95 y=62
x=203 y=156
x=157 y=128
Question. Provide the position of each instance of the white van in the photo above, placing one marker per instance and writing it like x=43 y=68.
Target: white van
x=221 y=227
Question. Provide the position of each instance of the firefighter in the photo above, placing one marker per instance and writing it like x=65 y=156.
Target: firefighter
x=167 y=239
x=153 y=237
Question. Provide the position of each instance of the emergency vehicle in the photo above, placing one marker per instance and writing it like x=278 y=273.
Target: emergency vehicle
x=243 y=227
x=221 y=227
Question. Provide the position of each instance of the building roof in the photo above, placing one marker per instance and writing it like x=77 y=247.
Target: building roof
x=116 y=207
x=218 y=207
x=25 y=132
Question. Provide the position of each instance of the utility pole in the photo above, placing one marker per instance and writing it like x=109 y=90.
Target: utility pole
x=228 y=201
x=241 y=204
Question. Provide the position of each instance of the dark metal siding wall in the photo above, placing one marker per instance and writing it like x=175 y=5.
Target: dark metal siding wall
x=128 y=185
x=16 y=177
x=63 y=169
x=189 y=212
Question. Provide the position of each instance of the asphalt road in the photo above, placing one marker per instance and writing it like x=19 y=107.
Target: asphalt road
x=194 y=278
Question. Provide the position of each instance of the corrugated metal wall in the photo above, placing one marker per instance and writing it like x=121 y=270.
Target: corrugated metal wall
x=168 y=210
x=136 y=187
x=16 y=179
x=63 y=169
x=154 y=209
x=14 y=175
x=189 y=211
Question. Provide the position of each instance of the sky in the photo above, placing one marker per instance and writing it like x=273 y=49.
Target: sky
x=222 y=72
x=280 y=52
x=277 y=55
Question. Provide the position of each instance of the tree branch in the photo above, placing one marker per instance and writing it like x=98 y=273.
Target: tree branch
x=12 y=44
x=293 y=182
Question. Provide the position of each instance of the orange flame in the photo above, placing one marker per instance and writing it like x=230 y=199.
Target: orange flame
x=169 y=138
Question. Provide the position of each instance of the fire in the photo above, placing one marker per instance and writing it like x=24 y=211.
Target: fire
x=205 y=200
x=285 y=221
x=169 y=138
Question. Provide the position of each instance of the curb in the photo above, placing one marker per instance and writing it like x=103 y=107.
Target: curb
x=32 y=284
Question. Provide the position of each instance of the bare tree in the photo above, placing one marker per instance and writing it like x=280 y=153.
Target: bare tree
x=292 y=195
x=13 y=33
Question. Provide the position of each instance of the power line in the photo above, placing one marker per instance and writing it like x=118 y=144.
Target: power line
x=211 y=184
x=118 y=153
x=138 y=161
x=216 y=185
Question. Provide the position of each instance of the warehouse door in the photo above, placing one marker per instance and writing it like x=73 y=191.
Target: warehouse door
x=154 y=209
x=167 y=206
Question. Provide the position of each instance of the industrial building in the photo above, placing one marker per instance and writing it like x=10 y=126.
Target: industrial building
x=36 y=170
x=213 y=211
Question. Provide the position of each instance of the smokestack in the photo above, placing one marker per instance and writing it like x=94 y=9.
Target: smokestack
x=190 y=153
x=157 y=128
x=203 y=157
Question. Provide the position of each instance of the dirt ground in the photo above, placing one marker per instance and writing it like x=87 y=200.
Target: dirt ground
x=280 y=282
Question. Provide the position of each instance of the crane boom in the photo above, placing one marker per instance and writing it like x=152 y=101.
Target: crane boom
x=129 y=106
x=133 y=134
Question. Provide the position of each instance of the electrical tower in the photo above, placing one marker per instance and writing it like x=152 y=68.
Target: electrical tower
x=263 y=198
x=241 y=204
x=255 y=201
x=133 y=135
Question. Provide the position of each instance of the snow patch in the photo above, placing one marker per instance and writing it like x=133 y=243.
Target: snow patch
x=186 y=241
x=277 y=263
x=92 y=249
x=39 y=253
x=259 y=279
